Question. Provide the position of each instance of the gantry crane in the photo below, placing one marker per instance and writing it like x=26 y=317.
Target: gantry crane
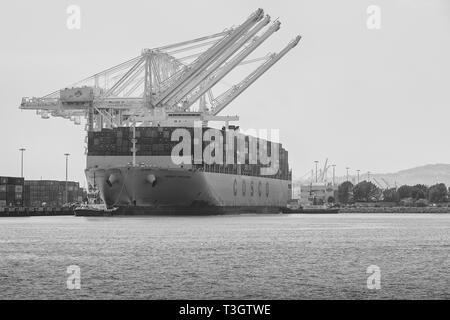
x=323 y=173
x=386 y=183
x=173 y=79
x=378 y=184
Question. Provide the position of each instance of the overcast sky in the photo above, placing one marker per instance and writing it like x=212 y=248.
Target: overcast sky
x=375 y=100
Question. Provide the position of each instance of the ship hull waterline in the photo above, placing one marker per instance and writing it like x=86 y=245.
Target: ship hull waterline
x=179 y=191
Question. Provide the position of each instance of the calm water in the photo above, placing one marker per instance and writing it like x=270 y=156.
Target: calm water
x=231 y=257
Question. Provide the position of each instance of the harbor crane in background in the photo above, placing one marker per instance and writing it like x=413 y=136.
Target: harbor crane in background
x=177 y=78
x=378 y=184
x=323 y=172
x=386 y=183
x=308 y=177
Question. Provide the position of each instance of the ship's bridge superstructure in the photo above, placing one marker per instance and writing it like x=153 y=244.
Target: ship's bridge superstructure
x=168 y=86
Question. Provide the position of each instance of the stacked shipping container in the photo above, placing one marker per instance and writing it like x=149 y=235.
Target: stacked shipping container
x=51 y=193
x=17 y=192
x=11 y=192
x=156 y=141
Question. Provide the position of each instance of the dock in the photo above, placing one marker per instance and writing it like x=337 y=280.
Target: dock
x=34 y=211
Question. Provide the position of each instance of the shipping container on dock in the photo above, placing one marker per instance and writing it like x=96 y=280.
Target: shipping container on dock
x=26 y=195
x=11 y=191
x=51 y=193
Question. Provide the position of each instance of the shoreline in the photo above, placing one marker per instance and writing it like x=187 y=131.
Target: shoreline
x=40 y=212
x=35 y=212
x=396 y=210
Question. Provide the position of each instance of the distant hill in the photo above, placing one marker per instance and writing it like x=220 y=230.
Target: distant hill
x=428 y=174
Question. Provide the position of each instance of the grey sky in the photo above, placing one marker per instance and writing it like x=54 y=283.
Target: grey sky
x=373 y=100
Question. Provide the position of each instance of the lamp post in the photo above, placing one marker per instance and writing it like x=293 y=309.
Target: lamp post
x=347 y=172
x=21 y=164
x=67 y=166
x=316 y=169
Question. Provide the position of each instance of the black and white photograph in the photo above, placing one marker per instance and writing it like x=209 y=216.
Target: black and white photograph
x=225 y=156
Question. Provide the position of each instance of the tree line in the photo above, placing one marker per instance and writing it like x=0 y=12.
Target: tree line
x=419 y=194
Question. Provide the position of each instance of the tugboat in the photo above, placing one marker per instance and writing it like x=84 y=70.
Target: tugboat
x=93 y=210
x=94 y=206
x=294 y=206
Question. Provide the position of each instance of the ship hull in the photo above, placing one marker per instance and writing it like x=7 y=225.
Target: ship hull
x=179 y=191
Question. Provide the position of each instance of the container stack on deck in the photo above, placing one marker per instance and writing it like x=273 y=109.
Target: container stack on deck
x=156 y=141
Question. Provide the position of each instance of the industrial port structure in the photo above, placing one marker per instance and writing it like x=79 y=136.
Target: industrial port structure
x=174 y=86
x=173 y=78
x=17 y=192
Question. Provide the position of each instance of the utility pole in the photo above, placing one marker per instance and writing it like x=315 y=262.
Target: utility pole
x=334 y=169
x=358 y=174
x=316 y=169
x=67 y=166
x=21 y=165
x=347 y=172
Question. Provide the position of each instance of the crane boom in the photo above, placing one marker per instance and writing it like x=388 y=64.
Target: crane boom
x=387 y=184
x=125 y=77
x=165 y=82
x=324 y=171
x=223 y=100
x=195 y=46
x=221 y=59
x=229 y=66
x=205 y=59
x=185 y=43
x=137 y=82
x=378 y=184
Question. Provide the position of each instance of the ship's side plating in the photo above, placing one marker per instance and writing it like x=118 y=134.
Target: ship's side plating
x=141 y=190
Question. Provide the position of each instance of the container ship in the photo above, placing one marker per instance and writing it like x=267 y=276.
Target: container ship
x=134 y=113
x=150 y=181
